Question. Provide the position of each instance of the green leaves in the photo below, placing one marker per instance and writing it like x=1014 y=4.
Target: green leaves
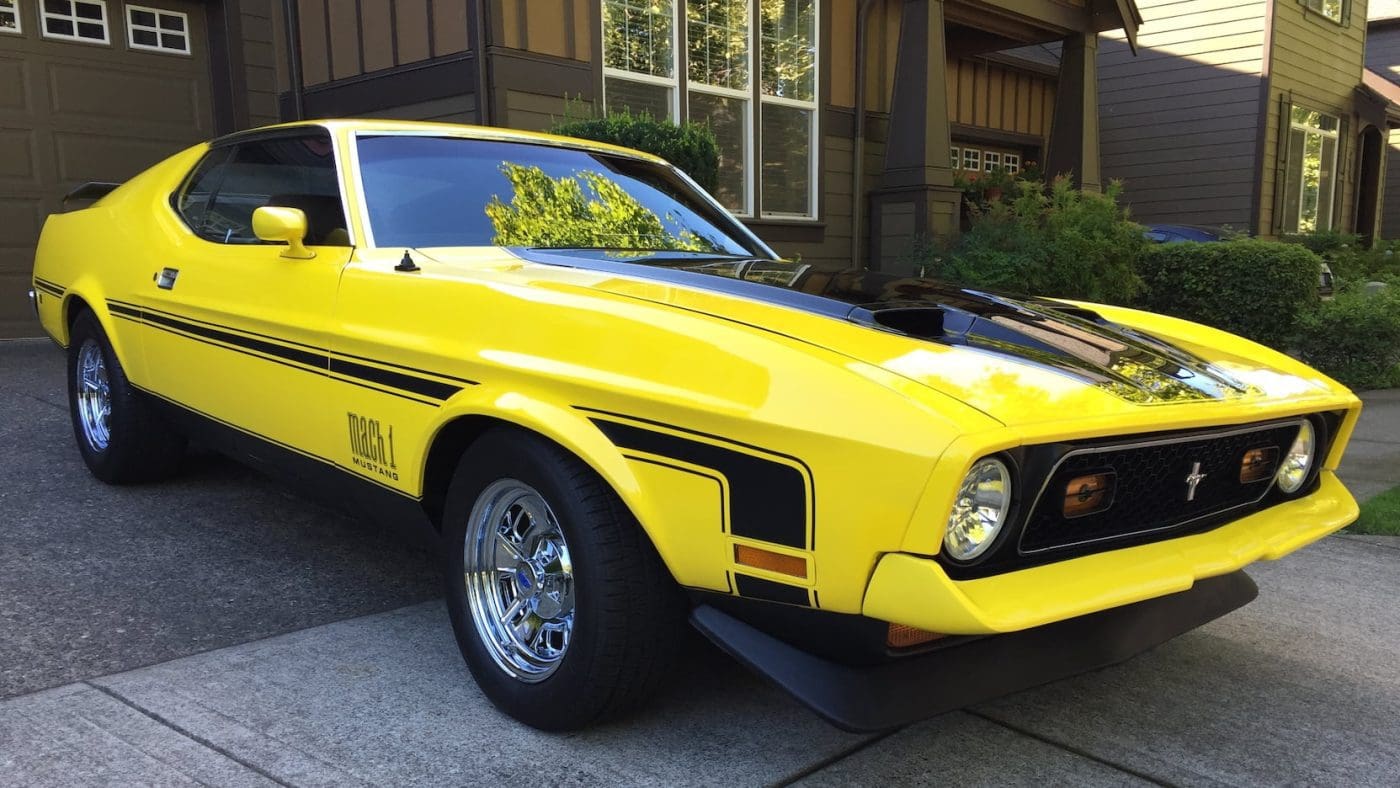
x=1257 y=289
x=689 y=146
x=583 y=210
x=1355 y=338
x=1064 y=243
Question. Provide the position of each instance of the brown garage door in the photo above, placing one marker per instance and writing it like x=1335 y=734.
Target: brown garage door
x=81 y=110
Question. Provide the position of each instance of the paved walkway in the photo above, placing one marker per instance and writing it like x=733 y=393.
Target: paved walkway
x=1298 y=687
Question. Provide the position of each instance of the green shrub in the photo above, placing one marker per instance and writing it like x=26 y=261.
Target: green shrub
x=1257 y=289
x=1355 y=338
x=1065 y=243
x=689 y=146
x=1350 y=261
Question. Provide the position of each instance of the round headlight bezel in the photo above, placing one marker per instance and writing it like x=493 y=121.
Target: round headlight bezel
x=1291 y=477
x=956 y=549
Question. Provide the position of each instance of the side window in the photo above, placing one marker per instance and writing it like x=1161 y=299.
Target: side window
x=291 y=172
x=192 y=202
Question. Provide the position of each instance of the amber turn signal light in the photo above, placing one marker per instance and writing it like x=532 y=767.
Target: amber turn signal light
x=759 y=558
x=1088 y=494
x=1258 y=465
x=901 y=636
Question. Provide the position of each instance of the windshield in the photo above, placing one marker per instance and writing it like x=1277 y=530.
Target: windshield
x=425 y=191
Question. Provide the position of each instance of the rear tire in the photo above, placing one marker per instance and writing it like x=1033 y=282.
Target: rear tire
x=575 y=619
x=121 y=437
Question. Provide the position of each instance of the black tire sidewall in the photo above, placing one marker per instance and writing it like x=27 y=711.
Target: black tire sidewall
x=562 y=701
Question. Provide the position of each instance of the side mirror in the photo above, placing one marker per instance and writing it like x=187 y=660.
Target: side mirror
x=283 y=225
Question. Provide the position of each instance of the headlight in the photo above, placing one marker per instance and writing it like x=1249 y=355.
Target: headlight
x=1296 y=464
x=979 y=511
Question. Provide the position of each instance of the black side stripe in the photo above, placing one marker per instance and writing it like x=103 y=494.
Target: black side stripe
x=277 y=443
x=768 y=499
x=425 y=391
x=757 y=588
x=333 y=354
x=49 y=287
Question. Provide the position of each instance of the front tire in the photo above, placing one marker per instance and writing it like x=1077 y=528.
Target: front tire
x=561 y=606
x=121 y=437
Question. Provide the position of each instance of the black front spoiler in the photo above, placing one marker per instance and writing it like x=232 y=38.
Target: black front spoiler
x=909 y=689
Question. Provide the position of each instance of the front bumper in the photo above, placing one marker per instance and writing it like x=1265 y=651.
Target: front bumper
x=915 y=591
x=912 y=688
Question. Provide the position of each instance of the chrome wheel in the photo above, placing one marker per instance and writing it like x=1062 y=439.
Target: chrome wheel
x=94 y=396
x=519 y=580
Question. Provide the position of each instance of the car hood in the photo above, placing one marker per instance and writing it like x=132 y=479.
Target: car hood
x=1017 y=360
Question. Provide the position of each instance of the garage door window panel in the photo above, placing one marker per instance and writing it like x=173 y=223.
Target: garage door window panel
x=75 y=20
x=155 y=30
x=9 y=17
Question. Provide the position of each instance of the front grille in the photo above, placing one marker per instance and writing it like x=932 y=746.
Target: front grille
x=1151 y=486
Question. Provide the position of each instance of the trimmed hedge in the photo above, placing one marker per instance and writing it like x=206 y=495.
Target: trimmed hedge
x=1257 y=289
x=1355 y=338
x=689 y=146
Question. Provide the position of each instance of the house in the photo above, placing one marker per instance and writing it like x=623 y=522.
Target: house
x=1247 y=113
x=840 y=122
x=1383 y=76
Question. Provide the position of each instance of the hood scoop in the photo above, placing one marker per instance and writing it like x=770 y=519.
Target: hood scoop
x=916 y=320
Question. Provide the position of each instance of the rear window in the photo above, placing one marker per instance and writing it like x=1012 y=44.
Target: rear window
x=446 y=191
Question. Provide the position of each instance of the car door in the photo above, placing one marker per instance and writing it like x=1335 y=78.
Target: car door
x=235 y=329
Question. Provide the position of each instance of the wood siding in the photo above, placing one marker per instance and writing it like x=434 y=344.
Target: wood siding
x=1315 y=63
x=264 y=55
x=342 y=39
x=1383 y=57
x=1179 y=121
x=559 y=28
x=997 y=96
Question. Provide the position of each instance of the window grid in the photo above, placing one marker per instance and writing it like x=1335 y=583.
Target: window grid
x=991 y=160
x=75 y=20
x=787 y=89
x=9 y=17
x=1318 y=132
x=155 y=30
x=972 y=159
x=1011 y=162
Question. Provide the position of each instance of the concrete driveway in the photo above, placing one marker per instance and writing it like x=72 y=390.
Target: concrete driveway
x=220 y=630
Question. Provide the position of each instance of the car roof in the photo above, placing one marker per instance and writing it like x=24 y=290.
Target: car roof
x=465 y=131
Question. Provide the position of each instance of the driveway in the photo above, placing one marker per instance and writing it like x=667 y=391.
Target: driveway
x=221 y=630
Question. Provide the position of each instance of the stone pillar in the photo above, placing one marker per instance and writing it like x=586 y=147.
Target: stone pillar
x=916 y=200
x=1074 y=130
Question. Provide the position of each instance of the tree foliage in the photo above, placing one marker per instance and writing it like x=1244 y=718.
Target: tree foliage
x=689 y=146
x=583 y=210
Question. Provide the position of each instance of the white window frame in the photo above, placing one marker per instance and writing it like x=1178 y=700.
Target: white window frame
x=1012 y=163
x=132 y=27
x=972 y=159
x=955 y=154
x=45 y=15
x=1320 y=7
x=673 y=82
x=18 y=29
x=991 y=160
x=1324 y=221
x=754 y=100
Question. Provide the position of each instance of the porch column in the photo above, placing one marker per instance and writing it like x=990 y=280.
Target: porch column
x=1074 y=130
x=916 y=199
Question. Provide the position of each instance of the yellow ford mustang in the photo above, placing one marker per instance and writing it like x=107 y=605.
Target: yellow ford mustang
x=611 y=406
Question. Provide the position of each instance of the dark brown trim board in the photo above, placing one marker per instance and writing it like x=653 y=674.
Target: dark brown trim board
x=1256 y=199
x=451 y=75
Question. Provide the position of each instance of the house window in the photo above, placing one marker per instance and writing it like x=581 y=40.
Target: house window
x=1312 y=171
x=75 y=20
x=972 y=159
x=991 y=161
x=157 y=31
x=748 y=70
x=955 y=156
x=1011 y=162
x=9 y=17
x=1332 y=9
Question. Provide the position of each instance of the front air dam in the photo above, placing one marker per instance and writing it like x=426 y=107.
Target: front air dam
x=909 y=689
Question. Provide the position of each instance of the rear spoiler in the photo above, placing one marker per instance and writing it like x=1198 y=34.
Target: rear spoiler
x=90 y=191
